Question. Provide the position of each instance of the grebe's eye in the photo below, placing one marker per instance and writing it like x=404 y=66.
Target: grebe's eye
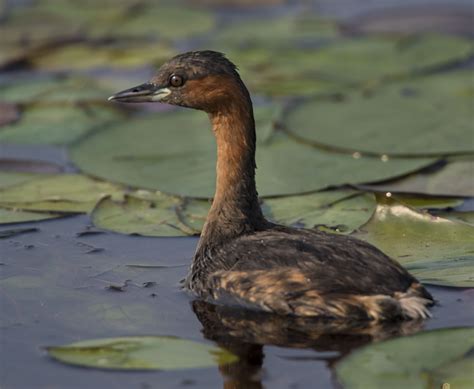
x=176 y=80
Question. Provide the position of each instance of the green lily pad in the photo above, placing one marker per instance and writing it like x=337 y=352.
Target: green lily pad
x=429 y=116
x=165 y=21
x=71 y=193
x=156 y=214
x=428 y=244
x=458 y=272
x=451 y=180
x=133 y=215
x=28 y=26
x=463 y=217
x=18 y=216
x=142 y=353
x=447 y=359
x=348 y=59
x=14 y=178
x=174 y=152
x=55 y=124
x=84 y=56
x=339 y=211
x=421 y=203
x=283 y=31
x=345 y=63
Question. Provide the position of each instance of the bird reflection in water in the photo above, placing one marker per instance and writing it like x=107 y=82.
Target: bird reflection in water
x=245 y=333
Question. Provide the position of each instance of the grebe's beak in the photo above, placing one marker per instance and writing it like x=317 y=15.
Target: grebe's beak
x=147 y=92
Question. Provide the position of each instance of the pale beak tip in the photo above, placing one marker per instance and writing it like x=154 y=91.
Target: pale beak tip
x=111 y=98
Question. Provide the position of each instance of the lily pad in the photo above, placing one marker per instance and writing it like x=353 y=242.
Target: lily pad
x=344 y=63
x=27 y=26
x=137 y=216
x=157 y=214
x=8 y=216
x=454 y=179
x=426 y=243
x=46 y=90
x=285 y=31
x=421 y=203
x=347 y=60
x=463 y=217
x=339 y=211
x=84 y=56
x=174 y=152
x=61 y=193
x=55 y=124
x=142 y=353
x=170 y=22
x=429 y=116
x=447 y=358
x=14 y=178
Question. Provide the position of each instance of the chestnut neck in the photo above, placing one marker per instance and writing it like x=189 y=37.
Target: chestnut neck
x=235 y=209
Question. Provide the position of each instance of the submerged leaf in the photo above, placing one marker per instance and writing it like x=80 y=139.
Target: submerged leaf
x=396 y=363
x=426 y=243
x=428 y=116
x=142 y=353
x=174 y=152
x=15 y=231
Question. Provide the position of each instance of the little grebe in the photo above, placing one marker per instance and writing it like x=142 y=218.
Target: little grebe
x=244 y=259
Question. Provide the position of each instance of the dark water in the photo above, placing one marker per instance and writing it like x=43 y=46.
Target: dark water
x=62 y=296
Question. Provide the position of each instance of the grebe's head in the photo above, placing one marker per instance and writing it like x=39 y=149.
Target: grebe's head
x=204 y=80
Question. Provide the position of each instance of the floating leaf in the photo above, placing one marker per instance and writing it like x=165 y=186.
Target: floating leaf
x=450 y=180
x=464 y=217
x=60 y=193
x=55 y=125
x=47 y=90
x=348 y=60
x=155 y=217
x=285 y=31
x=18 y=216
x=337 y=210
x=420 y=203
x=158 y=21
x=14 y=178
x=26 y=25
x=447 y=358
x=157 y=214
x=175 y=152
x=457 y=272
x=142 y=353
x=84 y=56
x=344 y=64
x=436 y=118
x=421 y=240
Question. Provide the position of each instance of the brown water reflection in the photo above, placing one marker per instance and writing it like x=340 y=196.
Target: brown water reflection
x=245 y=333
